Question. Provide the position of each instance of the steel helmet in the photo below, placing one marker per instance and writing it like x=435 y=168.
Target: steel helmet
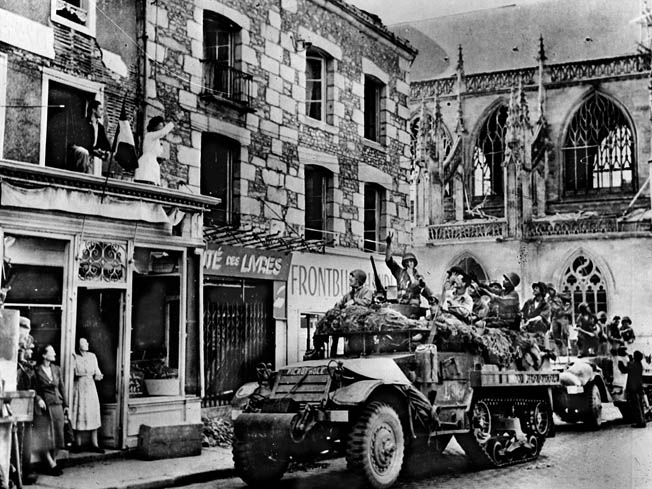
x=409 y=256
x=359 y=275
x=513 y=278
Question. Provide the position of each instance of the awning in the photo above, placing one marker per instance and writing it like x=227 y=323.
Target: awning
x=259 y=238
x=81 y=202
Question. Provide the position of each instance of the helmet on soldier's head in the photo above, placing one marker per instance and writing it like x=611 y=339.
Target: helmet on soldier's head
x=409 y=256
x=359 y=275
x=513 y=278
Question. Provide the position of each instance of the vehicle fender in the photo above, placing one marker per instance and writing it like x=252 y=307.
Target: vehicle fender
x=356 y=393
x=604 y=392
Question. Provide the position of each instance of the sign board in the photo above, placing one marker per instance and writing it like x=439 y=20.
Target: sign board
x=232 y=261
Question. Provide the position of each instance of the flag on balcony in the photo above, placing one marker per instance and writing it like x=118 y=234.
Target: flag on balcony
x=124 y=149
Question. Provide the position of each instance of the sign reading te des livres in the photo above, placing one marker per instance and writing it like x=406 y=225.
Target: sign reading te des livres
x=246 y=262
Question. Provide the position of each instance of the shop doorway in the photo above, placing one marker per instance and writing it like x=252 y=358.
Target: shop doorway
x=239 y=334
x=100 y=319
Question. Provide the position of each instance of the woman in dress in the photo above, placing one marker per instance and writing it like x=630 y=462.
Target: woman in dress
x=85 y=402
x=51 y=409
x=148 y=170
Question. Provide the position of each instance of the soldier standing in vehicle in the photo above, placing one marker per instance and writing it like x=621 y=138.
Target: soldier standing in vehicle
x=409 y=282
x=536 y=311
x=626 y=330
x=359 y=295
x=507 y=304
x=634 y=387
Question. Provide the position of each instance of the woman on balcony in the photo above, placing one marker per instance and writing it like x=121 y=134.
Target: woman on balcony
x=148 y=170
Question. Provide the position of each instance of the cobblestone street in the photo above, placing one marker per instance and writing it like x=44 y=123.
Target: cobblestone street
x=616 y=456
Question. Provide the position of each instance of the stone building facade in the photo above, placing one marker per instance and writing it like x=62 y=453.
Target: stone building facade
x=294 y=114
x=532 y=141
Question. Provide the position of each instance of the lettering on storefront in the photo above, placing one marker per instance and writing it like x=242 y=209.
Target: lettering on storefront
x=317 y=281
x=246 y=262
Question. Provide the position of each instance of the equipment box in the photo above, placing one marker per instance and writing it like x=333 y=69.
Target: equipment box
x=157 y=442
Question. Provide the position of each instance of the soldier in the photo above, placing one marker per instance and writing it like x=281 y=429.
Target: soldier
x=626 y=330
x=560 y=333
x=410 y=284
x=634 y=387
x=457 y=300
x=360 y=295
x=536 y=311
x=507 y=304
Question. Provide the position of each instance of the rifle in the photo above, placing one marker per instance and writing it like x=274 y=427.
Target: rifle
x=377 y=282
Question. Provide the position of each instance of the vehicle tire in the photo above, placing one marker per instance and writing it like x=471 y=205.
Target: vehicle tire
x=256 y=465
x=593 y=416
x=376 y=446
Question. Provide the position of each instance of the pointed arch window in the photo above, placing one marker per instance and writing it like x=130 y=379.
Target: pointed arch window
x=488 y=155
x=598 y=150
x=584 y=281
x=471 y=267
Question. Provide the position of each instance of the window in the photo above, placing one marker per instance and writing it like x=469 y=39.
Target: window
x=221 y=78
x=77 y=14
x=374 y=197
x=585 y=283
x=317 y=182
x=488 y=155
x=373 y=93
x=219 y=171
x=598 y=150
x=156 y=318
x=439 y=143
x=66 y=124
x=3 y=100
x=318 y=85
x=471 y=267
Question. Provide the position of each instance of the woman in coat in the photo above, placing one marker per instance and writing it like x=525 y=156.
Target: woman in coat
x=51 y=409
x=85 y=402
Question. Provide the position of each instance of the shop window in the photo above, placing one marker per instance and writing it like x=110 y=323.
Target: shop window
x=598 y=150
x=318 y=182
x=374 y=202
x=585 y=283
x=66 y=124
x=219 y=172
x=319 y=85
x=155 y=323
x=103 y=262
x=77 y=14
x=373 y=99
x=489 y=154
x=37 y=292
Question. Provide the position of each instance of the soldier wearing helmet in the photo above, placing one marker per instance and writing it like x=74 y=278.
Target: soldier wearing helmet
x=410 y=284
x=507 y=304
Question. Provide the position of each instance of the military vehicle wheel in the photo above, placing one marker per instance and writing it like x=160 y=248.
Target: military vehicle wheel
x=540 y=420
x=376 y=446
x=257 y=466
x=593 y=417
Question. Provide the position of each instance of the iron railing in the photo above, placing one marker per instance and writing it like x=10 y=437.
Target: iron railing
x=224 y=81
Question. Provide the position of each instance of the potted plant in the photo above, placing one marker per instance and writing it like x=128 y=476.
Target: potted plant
x=161 y=380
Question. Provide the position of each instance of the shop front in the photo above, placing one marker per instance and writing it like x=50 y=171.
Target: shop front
x=244 y=315
x=316 y=282
x=128 y=285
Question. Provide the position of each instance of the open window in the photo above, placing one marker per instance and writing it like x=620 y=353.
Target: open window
x=76 y=14
x=318 y=182
x=374 y=92
x=319 y=85
x=219 y=173
x=374 y=203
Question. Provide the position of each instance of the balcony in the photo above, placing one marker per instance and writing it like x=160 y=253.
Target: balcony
x=224 y=83
x=468 y=230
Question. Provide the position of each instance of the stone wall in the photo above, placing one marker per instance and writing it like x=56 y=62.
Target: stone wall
x=273 y=134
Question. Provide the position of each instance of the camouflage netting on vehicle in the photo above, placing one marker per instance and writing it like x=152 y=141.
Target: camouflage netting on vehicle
x=360 y=319
x=496 y=345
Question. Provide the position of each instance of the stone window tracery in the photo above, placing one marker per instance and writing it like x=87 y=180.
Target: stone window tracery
x=439 y=142
x=598 y=149
x=584 y=281
x=488 y=155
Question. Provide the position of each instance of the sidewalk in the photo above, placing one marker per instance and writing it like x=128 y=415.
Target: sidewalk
x=109 y=472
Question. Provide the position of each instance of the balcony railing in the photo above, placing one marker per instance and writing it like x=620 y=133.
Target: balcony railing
x=468 y=230
x=223 y=81
x=72 y=12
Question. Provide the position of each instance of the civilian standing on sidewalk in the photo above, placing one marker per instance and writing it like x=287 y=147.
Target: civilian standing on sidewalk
x=50 y=410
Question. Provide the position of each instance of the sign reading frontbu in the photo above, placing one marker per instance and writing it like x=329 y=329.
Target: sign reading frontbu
x=246 y=262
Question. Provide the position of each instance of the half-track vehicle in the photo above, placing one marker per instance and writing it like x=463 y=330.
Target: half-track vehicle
x=390 y=406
